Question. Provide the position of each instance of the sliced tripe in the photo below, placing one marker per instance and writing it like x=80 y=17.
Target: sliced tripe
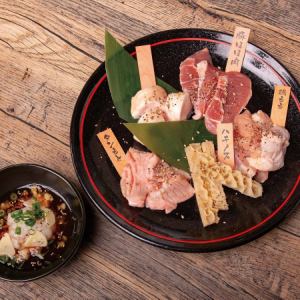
x=223 y=173
x=209 y=192
x=209 y=148
x=205 y=189
x=209 y=176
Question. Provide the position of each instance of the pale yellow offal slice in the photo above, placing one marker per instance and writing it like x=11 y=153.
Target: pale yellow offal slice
x=209 y=176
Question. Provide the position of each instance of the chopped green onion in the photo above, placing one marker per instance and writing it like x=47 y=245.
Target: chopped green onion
x=13 y=197
x=18 y=230
x=27 y=214
x=36 y=205
x=38 y=213
x=17 y=214
x=29 y=222
x=4 y=259
x=2 y=213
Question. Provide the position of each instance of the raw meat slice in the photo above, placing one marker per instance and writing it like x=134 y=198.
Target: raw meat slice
x=239 y=92
x=153 y=116
x=201 y=55
x=146 y=99
x=178 y=106
x=199 y=78
x=242 y=165
x=189 y=77
x=153 y=105
x=148 y=181
x=259 y=145
x=273 y=148
x=208 y=78
x=215 y=112
x=261 y=176
x=135 y=176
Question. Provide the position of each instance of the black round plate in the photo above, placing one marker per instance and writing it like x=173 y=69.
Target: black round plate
x=19 y=176
x=182 y=229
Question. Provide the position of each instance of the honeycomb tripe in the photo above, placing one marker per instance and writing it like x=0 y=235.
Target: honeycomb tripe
x=209 y=192
x=209 y=176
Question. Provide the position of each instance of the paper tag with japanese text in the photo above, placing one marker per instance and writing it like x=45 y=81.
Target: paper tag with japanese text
x=225 y=143
x=113 y=149
x=280 y=104
x=237 y=49
x=145 y=65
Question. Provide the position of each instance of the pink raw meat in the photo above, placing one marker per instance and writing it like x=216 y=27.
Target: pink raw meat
x=208 y=78
x=239 y=92
x=189 y=77
x=199 y=78
x=215 y=112
x=148 y=181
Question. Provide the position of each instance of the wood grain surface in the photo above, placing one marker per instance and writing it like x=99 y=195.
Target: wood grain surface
x=48 y=49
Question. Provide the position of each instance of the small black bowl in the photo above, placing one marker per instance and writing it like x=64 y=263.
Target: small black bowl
x=18 y=176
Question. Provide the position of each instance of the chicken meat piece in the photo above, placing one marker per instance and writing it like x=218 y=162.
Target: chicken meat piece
x=178 y=106
x=147 y=99
x=153 y=116
x=261 y=176
x=153 y=105
x=273 y=148
x=259 y=145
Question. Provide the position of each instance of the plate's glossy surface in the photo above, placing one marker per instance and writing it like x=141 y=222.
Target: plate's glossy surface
x=182 y=230
x=18 y=176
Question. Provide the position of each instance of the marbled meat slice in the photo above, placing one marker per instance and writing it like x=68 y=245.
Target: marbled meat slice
x=208 y=78
x=215 y=112
x=199 y=78
x=189 y=77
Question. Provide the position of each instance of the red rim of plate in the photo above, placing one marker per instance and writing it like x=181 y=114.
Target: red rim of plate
x=90 y=97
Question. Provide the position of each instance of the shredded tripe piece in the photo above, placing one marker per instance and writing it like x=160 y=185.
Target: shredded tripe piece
x=209 y=176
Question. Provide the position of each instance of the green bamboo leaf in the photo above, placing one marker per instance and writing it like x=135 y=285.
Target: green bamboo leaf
x=167 y=139
x=123 y=77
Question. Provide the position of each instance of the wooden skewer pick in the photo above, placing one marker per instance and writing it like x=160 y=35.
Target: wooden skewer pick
x=225 y=143
x=145 y=65
x=113 y=149
x=280 y=104
x=237 y=49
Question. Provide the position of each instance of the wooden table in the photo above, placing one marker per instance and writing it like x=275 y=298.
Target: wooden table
x=48 y=49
